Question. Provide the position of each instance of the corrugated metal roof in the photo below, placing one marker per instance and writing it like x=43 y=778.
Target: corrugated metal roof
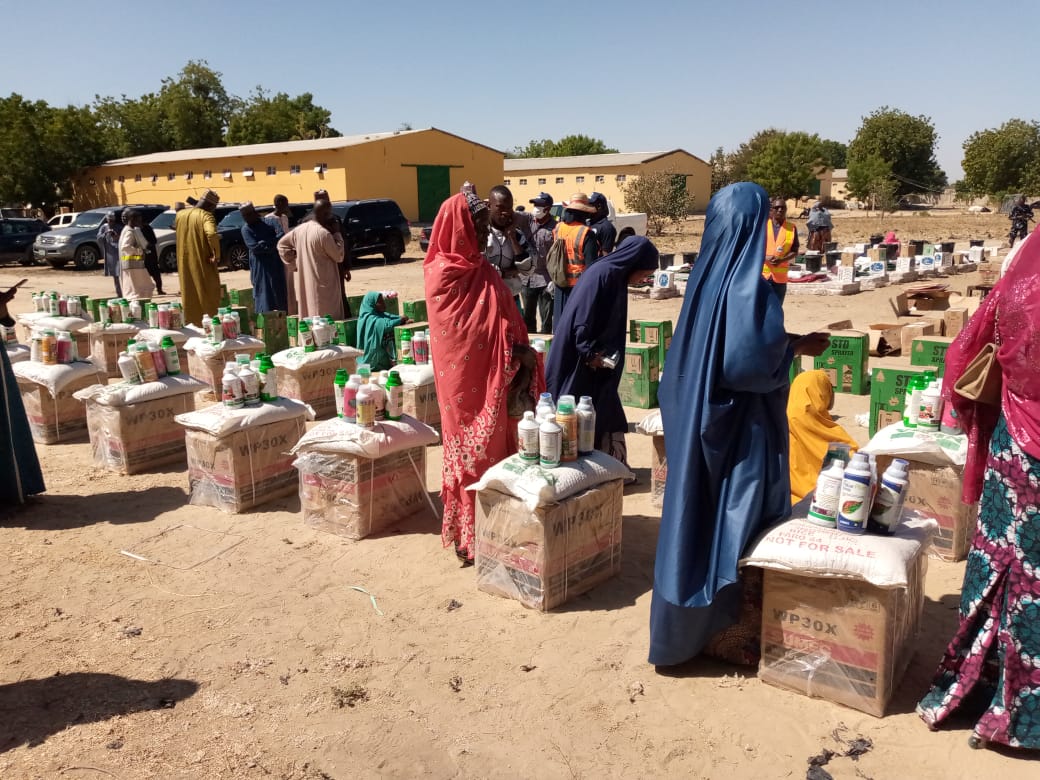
x=216 y=152
x=587 y=161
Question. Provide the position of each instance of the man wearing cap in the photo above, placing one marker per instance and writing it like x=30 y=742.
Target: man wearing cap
x=266 y=270
x=606 y=233
x=198 y=254
x=581 y=244
x=536 y=292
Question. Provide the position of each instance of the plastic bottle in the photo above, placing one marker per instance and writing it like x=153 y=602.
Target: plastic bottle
x=545 y=408
x=304 y=337
x=268 y=380
x=527 y=432
x=823 y=510
x=586 y=425
x=53 y=307
x=158 y=360
x=63 y=347
x=216 y=331
x=124 y=309
x=854 y=503
x=250 y=385
x=912 y=404
x=404 y=354
x=420 y=348
x=378 y=397
x=887 y=512
x=104 y=314
x=176 y=316
x=950 y=422
x=338 y=384
x=394 y=396
x=128 y=369
x=63 y=306
x=49 y=348
x=173 y=360
x=231 y=387
x=242 y=359
x=145 y=363
x=350 y=390
x=154 y=318
x=207 y=326
x=365 y=372
x=567 y=419
x=550 y=440
x=930 y=411
x=365 y=414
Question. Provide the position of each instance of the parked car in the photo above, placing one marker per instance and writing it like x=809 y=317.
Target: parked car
x=16 y=239
x=78 y=242
x=636 y=221
x=373 y=227
x=166 y=236
x=62 y=220
x=424 y=238
x=232 y=248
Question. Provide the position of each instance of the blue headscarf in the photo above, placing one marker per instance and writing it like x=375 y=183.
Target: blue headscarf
x=596 y=320
x=723 y=405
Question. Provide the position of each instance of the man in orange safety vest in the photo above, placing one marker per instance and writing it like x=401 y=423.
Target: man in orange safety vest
x=781 y=247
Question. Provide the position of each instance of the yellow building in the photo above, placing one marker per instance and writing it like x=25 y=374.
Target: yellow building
x=417 y=168
x=834 y=184
x=561 y=177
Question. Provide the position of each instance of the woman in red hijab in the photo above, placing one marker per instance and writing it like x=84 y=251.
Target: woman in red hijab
x=485 y=372
x=993 y=661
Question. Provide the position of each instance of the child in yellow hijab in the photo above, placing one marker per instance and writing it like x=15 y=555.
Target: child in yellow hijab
x=812 y=429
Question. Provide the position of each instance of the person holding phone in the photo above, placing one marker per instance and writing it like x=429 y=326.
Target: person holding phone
x=18 y=461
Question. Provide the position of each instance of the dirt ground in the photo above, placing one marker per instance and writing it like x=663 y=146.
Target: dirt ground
x=259 y=648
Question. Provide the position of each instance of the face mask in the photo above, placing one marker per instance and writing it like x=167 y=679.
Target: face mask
x=539 y=212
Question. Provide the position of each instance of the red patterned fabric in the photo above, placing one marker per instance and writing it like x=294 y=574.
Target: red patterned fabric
x=474 y=326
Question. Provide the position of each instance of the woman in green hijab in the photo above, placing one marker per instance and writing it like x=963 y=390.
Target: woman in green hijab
x=375 y=332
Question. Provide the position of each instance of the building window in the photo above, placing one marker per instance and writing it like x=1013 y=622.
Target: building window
x=171 y=176
x=227 y=173
x=620 y=178
x=541 y=182
x=121 y=179
x=271 y=170
x=559 y=180
x=189 y=176
x=508 y=182
x=248 y=173
x=294 y=170
x=137 y=177
x=321 y=167
x=579 y=179
x=600 y=179
x=155 y=178
x=90 y=181
x=207 y=174
x=523 y=182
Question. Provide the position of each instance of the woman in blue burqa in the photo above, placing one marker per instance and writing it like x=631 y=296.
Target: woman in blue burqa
x=18 y=462
x=724 y=409
x=593 y=327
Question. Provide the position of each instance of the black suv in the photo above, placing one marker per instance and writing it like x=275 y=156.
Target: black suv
x=16 y=239
x=232 y=248
x=373 y=227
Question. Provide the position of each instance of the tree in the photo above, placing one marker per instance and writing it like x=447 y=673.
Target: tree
x=720 y=170
x=662 y=196
x=1002 y=161
x=739 y=159
x=870 y=179
x=905 y=142
x=132 y=126
x=195 y=107
x=787 y=165
x=835 y=153
x=262 y=119
x=568 y=146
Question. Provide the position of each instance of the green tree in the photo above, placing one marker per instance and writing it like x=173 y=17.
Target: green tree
x=662 y=196
x=835 y=153
x=195 y=107
x=263 y=118
x=568 y=146
x=787 y=165
x=905 y=142
x=1001 y=161
x=132 y=126
x=870 y=179
x=742 y=156
x=720 y=170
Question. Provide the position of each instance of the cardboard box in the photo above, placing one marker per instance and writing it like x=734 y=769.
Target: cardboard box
x=245 y=319
x=878 y=254
x=415 y=310
x=245 y=468
x=314 y=382
x=354 y=304
x=842 y=640
x=640 y=376
x=393 y=304
x=243 y=299
x=845 y=362
x=885 y=338
x=658 y=472
x=346 y=333
x=848 y=257
x=915 y=331
x=657 y=332
x=420 y=402
x=211 y=370
x=272 y=329
x=546 y=557
x=935 y=491
x=933 y=301
x=353 y=496
x=888 y=396
x=930 y=351
x=57 y=417
x=137 y=437
x=954 y=321
x=105 y=347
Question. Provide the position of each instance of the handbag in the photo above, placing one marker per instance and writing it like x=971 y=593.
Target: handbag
x=981 y=380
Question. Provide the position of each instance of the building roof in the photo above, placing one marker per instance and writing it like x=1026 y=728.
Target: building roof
x=588 y=161
x=283 y=147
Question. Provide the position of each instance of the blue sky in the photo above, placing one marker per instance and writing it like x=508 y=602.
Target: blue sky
x=643 y=76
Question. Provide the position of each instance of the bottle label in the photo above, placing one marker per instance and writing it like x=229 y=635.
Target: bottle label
x=394 y=402
x=365 y=412
x=549 y=445
x=824 y=507
x=529 y=443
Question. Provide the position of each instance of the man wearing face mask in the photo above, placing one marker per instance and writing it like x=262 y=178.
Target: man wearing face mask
x=536 y=293
x=601 y=224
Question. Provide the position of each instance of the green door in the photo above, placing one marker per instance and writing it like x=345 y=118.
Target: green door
x=434 y=182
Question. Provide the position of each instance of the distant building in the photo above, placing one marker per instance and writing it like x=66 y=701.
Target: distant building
x=561 y=177
x=834 y=184
x=417 y=168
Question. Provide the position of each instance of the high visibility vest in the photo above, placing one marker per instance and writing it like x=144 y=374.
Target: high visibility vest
x=778 y=246
x=574 y=236
x=132 y=260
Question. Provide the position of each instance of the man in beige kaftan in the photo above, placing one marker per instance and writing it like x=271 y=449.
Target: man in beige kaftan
x=315 y=247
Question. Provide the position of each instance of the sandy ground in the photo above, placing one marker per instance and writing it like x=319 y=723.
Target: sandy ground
x=247 y=654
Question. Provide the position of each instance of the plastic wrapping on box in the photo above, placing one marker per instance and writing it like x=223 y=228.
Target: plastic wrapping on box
x=384 y=438
x=420 y=402
x=658 y=472
x=18 y=353
x=136 y=437
x=107 y=340
x=846 y=641
x=354 y=496
x=537 y=486
x=56 y=416
x=207 y=363
x=310 y=376
x=544 y=557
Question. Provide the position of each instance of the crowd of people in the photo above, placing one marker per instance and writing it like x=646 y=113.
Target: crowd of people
x=742 y=443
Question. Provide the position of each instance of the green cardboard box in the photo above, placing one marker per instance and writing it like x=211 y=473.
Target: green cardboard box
x=346 y=332
x=243 y=298
x=393 y=305
x=245 y=318
x=845 y=362
x=636 y=393
x=640 y=376
x=93 y=306
x=930 y=351
x=292 y=328
x=225 y=301
x=354 y=303
x=887 y=396
x=796 y=368
x=414 y=310
x=271 y=328
x=657 y=332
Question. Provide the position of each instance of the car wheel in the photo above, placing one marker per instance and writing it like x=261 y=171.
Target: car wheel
x=394 y=249
x=168 y=260
x=238 y=258
x=87 y=257
x=27 y=258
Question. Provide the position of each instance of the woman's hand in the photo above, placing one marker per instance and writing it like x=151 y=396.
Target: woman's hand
x=596 y=361
x=812 y=344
